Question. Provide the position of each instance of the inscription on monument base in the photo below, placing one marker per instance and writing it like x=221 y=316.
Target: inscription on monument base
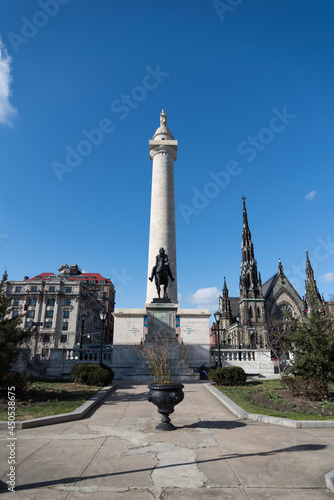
x=161 y=323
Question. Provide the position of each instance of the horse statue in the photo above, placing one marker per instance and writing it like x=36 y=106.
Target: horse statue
x=161 y=271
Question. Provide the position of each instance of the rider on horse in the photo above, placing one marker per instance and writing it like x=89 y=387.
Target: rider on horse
x=161 y=271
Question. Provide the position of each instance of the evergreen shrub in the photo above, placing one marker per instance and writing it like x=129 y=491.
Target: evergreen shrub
x=91 y=374
x=229 y=375
x=15 y=379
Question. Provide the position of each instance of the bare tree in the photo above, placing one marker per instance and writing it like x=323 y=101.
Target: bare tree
x=277 y=334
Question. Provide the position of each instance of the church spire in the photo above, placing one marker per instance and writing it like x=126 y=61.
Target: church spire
x=311 y=290
x=309 y=270
x=251 y=304
x=250 y=285
x=244 y=212
x=225 y=307
x=246 y=234
x=225 y=290
x=247 y=245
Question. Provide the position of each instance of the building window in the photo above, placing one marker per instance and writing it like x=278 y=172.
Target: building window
x=28 y=324
x=18 y=289
x=49 y=313
x=45 y=352
x=64 y=326
x=46 y=337
x=63 y=338
x=31 y=313
x=16 y=302
x=68 y=289
x=48 y=324
x=284 y=312
x=32 y=302
x=51 y=302
x=66 y=314
x=52 y=288
x=67 y=302
x=102 y=282
x=34 y=288
x=15 y=314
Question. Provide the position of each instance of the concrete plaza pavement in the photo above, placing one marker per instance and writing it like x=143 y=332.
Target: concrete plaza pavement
x=116 y=453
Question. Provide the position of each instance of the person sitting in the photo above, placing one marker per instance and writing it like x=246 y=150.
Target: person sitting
x=214 y=366
x=203 y=371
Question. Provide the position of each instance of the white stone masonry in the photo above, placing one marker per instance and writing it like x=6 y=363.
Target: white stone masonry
x=163 y=150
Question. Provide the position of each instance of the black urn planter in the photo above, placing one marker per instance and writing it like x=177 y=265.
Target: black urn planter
x=165 y=397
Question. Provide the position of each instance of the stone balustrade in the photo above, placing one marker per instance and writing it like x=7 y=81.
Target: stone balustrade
x=62 y=360
x=234 y=354
x=255 y=362
x=88 y=355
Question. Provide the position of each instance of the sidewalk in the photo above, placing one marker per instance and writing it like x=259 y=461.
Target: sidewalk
x=116 y=453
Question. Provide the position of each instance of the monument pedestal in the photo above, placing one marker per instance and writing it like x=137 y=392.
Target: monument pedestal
x=187 y=327
x=161 y=320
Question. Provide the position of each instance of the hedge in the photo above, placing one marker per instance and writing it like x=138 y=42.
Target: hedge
x=229 y=375
x=91 y=374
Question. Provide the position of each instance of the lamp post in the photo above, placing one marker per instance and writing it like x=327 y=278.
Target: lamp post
x=217 y=316
x=83 y=317
x=103 y=316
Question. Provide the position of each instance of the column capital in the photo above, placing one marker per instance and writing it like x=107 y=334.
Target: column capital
x=163 y=147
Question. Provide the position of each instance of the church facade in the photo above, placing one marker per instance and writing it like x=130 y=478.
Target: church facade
x=244 y=319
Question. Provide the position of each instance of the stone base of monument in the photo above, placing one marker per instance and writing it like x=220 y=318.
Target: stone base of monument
x=127 y=364
x=161 y=321
x=187 y=327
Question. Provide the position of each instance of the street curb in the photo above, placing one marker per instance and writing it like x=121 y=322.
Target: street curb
x=329 y=478
x=266 y=419
x=63 y=417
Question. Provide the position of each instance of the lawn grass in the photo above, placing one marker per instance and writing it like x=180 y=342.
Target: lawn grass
x=48 y=397
x=240 y=396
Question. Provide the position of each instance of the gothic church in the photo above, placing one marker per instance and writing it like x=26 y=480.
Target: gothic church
x=243 y=319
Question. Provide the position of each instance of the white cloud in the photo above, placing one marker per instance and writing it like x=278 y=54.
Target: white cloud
x=328 y=277
x=309 y=196
x=7 y=111
x=205 y=298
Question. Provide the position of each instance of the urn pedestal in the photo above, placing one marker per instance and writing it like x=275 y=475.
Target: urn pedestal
x=165 y=397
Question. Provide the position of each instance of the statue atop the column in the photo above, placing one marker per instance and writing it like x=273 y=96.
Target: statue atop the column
x=161 y=271
x=163 y=119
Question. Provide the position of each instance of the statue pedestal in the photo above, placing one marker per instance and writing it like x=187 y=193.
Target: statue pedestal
x=161 y=320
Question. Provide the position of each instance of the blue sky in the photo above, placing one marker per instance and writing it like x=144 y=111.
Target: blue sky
x=248 y=90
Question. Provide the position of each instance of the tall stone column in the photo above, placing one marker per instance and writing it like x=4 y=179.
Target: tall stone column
x=163 y=151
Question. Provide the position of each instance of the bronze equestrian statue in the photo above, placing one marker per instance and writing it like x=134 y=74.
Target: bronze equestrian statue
x=161 y=271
